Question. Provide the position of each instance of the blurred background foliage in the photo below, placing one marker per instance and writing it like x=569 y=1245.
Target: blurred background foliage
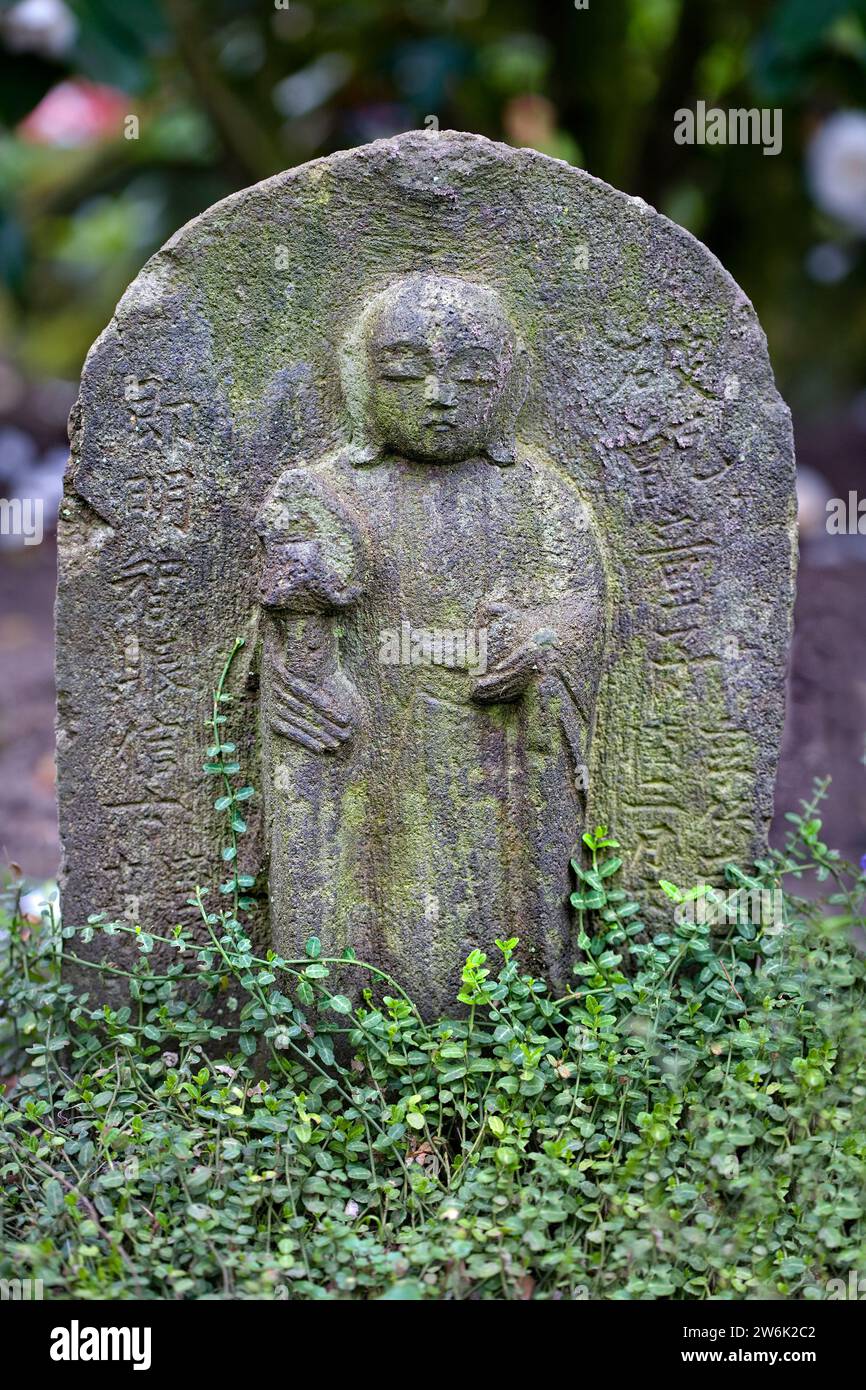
x=121 y=119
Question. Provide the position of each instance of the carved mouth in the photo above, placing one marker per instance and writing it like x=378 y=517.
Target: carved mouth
x=435 y=423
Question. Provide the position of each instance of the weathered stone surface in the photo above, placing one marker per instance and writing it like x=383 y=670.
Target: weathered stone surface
x=485 y=460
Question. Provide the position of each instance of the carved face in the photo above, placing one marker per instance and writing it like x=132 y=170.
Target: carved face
x=439 y=354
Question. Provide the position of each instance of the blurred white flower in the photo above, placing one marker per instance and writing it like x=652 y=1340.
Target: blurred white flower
x=17 y=455
x=37 y=902
x=836 y=168
x=813 y=494
x=40 y=26
x=306 y=90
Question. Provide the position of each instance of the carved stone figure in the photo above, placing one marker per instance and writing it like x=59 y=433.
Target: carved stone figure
x=485 y=461
x=423 y=799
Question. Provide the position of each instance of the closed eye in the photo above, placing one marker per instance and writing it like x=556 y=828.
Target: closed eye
x=464 y=374
x=473 y=369
x=402 y=364
x=402 y=372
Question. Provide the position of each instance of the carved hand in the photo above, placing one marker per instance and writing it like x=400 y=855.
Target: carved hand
x=509 y=677
x=320 y=718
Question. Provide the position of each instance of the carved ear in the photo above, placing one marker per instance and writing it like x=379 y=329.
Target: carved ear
x=501 y=451
x=501 y=444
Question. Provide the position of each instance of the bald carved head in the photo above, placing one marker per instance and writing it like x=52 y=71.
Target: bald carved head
x=435 y=356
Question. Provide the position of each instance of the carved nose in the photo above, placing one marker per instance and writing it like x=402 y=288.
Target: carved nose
x=439 y=391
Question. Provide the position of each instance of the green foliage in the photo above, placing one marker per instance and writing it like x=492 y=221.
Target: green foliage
x=223 y=764
x=687 y=1122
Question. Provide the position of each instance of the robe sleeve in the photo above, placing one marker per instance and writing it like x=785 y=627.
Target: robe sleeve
x=313 y=554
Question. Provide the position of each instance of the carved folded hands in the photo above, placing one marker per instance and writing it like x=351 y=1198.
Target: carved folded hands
x=320 y=718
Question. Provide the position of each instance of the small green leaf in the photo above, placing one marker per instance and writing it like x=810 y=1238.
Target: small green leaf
x=339 y=1003
x=609 y=867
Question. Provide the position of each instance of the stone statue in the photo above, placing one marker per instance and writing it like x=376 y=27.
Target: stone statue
x=434 y=614
x=484 y=460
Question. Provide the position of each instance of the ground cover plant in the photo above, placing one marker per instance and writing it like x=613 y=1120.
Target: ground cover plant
x=687 y=1121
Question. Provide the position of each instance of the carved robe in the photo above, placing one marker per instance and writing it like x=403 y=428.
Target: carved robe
x=418 y=814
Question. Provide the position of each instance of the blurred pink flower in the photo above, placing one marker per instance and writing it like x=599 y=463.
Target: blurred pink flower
x=75 y=113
